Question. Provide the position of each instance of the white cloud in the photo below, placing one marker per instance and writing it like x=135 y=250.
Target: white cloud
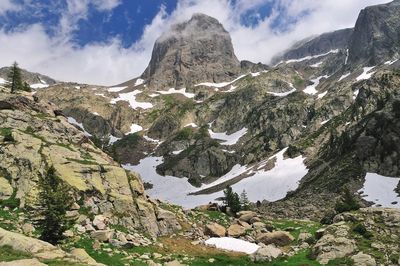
x=7 y=5
x=109 y=63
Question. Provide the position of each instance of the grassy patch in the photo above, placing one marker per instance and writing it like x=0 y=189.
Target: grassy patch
x=86 y=162
x=8 y=254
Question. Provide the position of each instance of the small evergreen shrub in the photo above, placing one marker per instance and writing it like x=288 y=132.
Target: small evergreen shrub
x=360 y=229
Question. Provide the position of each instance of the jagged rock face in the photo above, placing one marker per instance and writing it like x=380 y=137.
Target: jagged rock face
x=29 y=77
x=196 y=51
x=376 y=35
x=318 y=45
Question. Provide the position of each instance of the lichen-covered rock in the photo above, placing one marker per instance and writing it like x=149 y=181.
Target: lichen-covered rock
x=266 y=253
x=215 y=230
x=279 y=238
x=236 y=230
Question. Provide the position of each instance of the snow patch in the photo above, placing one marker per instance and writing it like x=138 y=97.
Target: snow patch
x=391 y=62
x=310 y=57
x=177 y=152
x=324 y=122
x=117 y=89
x=228 y=139
x=134 y=128
x=311 y=89
x=39 y=86
x=344 y=76
x=139 y=82
x=321 y=95
x=73 y=121
x=281 y=94
x=113 y=139
x=317 y=64
x=96 y=113
x=220 y=85
x=233 y=244
x=100 y=94
x=3 y=81
x=191 y=125
x=355 y=94
x=380 y=190
x=181 y=91
x=131 y=98
x=366 y=73
x=347 y=57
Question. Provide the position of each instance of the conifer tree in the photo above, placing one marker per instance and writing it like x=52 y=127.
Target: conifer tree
x=244 y=201
x=54 y=201
x=232 y=199
x=14 y=78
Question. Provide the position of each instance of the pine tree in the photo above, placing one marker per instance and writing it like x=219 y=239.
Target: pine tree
x=232 y=199
x=14 y=78
x=347 y=203
x=244 y=201
x=27 y=87
x=54 y=201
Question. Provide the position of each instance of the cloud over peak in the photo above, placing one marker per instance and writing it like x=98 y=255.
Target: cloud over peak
x=109 y=62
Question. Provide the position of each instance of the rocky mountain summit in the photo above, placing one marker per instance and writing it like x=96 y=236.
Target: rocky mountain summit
x=192 y=52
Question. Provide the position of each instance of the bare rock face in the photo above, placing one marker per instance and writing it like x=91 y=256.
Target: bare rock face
x=376 y=37
x=317 y=45
x=192 y=52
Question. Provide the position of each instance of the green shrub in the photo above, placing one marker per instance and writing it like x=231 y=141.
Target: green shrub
x=328 y=218
x=347 y=202
x=360 y=229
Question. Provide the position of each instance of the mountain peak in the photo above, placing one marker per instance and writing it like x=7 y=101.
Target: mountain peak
x=192 y=52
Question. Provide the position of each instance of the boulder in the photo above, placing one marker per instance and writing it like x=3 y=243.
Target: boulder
x=173 y=263
x=19 y=242
x=82 y=256
x=25 y=262
x=259 y=225
x=28 y=229
x=236 y=230
x=266 y=253
x=361 y=259
x=6 y=189
x=279 y=238
x=331 y=247
x=246 y=216
x=254 y=220
x=103 y=235
x=244 y=224
x=99 y=222
x=303 y=236
x=215 y=229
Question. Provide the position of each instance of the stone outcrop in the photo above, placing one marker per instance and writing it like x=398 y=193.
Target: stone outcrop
x=192 y=52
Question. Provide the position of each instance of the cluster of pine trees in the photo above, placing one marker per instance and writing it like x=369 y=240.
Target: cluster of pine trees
x=235 y=202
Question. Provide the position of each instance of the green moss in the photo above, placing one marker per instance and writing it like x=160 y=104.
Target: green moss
x=184 y=134
x=8 y=254
x=86 y=162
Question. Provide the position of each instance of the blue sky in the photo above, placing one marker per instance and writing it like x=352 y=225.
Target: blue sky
x=109 y=41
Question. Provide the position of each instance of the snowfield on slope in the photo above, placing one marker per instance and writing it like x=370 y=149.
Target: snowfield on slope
x=271 y=184
x=130 y=97
x=233 y=244
x=228 y=140
x=380 y=190
x=73 y=121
